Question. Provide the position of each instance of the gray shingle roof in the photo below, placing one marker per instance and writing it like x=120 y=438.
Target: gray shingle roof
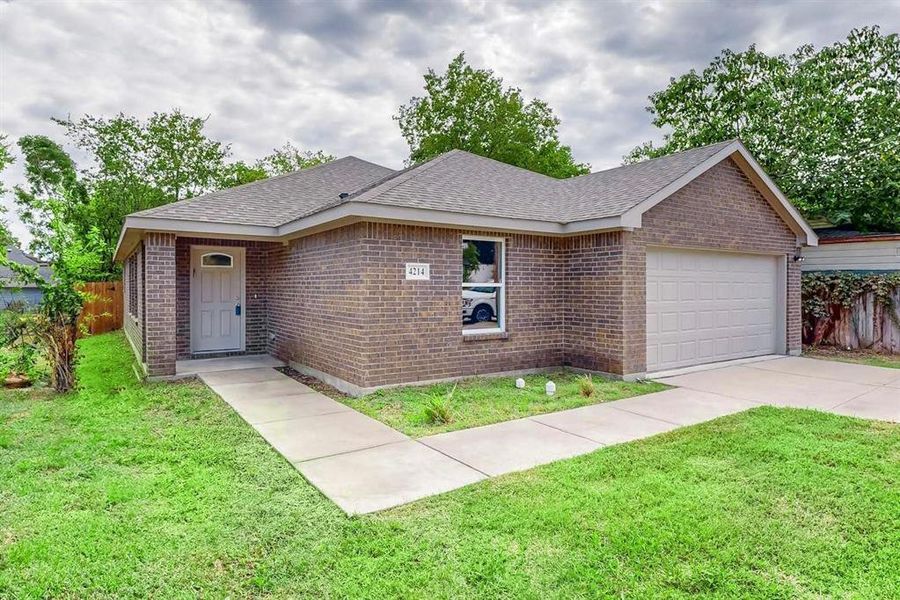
x=462 y=182
x=16 y=255
x=277 y=200
x=614 y=191
x=457 y=181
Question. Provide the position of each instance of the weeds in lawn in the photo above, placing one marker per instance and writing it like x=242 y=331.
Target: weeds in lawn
x=437 y=408
x=586 y=386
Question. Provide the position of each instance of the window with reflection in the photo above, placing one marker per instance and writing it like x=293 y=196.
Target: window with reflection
x=482 y=285
x=215 y=259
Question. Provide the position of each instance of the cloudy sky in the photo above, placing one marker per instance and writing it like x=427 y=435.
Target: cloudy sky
x=330 y=75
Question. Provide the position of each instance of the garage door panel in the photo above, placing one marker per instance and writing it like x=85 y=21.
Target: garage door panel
x=708 y=306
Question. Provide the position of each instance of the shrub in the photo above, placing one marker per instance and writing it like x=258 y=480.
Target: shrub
x=437 y=408
x=18 y=355
x=53 y=327
x=586 y=386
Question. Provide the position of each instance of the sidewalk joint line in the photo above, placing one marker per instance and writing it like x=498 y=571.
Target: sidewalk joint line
x=462 y=462
x=532 y=418
x=354 y=451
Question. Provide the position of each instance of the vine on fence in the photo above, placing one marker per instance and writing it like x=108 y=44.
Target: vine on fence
x=826 y=295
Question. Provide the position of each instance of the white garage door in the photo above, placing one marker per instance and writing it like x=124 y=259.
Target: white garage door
x=708 y=306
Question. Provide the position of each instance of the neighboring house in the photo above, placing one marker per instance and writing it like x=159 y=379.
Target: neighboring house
x=844 y=249
x=12 y=289
x=354 y=272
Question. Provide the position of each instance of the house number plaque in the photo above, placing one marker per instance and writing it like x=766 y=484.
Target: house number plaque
x=418 y=271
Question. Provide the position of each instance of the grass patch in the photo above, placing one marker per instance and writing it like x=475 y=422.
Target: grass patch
x=862 y=357
x=129 y=490
x=486 y=400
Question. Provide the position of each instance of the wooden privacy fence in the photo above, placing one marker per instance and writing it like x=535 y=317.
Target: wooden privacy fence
x=105 y=306
x=866 y=325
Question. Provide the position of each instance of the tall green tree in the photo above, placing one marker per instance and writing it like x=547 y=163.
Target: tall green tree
x=825 y=124
x=143 y=164
x=134 y=165
x=289 y=158
x=282 y=160
x=54 y=191
x=6 y=159
x=470 y=109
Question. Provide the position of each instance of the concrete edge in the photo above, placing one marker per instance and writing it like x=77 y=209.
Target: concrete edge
x=355 y=390
x=176 y=377
x=627 y=377
x=712 y=366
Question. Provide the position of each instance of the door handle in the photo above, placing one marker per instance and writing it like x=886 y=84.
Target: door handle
x=237 y=310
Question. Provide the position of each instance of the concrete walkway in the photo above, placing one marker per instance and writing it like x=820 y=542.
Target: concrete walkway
x=364 y=466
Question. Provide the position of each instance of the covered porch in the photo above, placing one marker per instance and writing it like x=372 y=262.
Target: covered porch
x=192 y=300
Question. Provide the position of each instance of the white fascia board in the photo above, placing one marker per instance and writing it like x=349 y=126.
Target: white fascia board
x=362 y=211
x=595 y=225
x=420 y=216
x=119 y=244
x=811 y=238
x=139 y=225
x=199 y=227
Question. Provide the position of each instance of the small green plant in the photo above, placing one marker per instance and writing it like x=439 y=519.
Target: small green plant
x=586 y=385
x=437 y=408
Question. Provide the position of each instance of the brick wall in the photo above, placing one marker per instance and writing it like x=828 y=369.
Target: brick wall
x=719 y=210
x=413 y=329
x=594 y=301
x=255 y=312
x=159 y=303
x=315 y=303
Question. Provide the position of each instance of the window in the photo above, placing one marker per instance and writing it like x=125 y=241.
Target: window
x=483 y=309
x=215 y=259
x=132 y=266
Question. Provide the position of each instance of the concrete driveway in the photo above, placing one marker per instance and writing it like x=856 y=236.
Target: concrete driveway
x=842 y=388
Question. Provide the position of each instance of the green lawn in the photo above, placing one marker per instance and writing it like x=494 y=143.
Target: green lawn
x=862 y=357
x=486 y=400
x=125 y=490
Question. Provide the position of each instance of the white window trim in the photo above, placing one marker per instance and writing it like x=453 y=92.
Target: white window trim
x=230 y=265
x=501 y=286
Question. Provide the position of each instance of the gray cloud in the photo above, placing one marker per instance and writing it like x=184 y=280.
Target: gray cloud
x=330 y=75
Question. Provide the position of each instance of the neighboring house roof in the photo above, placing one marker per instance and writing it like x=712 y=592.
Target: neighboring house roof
x=841 y=235
x=16 y=255
x=457 y=189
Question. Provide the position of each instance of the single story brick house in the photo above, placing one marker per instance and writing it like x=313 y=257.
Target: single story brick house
x=369 y=277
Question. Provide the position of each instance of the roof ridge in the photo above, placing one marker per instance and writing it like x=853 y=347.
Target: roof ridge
x=367 y=193
x=656 y=158
x=506 y=164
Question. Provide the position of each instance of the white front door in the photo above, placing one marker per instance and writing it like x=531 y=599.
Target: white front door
x=709 y=306
x=217 y=299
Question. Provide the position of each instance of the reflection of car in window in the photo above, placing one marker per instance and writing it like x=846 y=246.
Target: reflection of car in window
x=479 y=304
